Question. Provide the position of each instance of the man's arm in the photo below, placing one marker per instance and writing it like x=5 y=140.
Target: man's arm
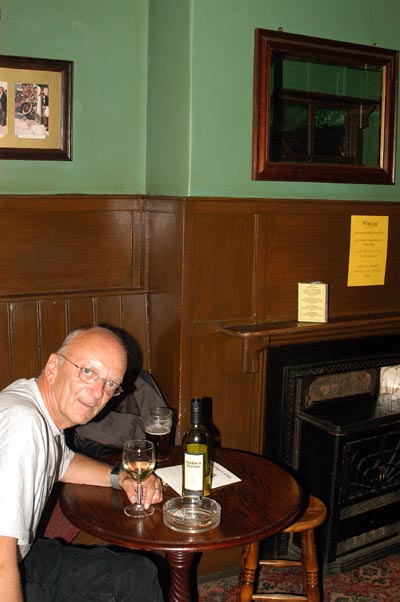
x=10 y=583
x=87 y=471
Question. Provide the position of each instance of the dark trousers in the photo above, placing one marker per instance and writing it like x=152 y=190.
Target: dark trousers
x=54 y=572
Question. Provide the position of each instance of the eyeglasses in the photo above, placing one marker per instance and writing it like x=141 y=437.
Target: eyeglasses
x=89 y=376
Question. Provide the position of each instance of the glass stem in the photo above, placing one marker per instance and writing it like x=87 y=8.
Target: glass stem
x=139 y=494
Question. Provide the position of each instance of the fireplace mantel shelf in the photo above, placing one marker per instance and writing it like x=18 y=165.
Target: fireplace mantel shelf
x=259 y=336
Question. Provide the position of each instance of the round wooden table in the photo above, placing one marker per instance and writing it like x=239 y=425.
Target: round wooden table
x=264 y=502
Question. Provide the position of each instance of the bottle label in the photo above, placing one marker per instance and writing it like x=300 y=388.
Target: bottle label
x=194 y=472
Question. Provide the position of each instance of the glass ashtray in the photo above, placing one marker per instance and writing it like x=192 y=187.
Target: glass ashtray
x=190 y=514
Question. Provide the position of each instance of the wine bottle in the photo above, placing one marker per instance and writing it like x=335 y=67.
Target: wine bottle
x=196 y=478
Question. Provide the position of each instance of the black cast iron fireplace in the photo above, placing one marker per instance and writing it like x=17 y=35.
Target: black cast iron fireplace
x=330 y=417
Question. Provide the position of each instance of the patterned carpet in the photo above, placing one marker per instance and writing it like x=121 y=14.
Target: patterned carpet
x=378 y=581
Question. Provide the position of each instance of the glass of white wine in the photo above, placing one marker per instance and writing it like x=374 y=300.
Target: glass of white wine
x=138 y=459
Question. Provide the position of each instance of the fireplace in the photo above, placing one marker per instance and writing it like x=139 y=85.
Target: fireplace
x=332 y=416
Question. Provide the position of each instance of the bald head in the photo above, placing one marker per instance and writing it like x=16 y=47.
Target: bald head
x=91 y=332
x=70 y=399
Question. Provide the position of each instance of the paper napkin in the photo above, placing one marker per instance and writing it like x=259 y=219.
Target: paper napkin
x=172 y=475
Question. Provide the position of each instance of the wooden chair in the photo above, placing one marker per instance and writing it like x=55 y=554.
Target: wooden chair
x=311 y=519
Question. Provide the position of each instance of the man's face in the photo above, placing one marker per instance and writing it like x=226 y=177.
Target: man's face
x=72 y=401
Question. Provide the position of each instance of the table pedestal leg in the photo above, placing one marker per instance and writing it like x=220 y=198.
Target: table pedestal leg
x=179 y=563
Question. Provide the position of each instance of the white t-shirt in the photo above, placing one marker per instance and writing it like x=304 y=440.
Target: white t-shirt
x=33 y=456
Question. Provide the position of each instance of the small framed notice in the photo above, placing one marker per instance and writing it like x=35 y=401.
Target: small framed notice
x=312 y=302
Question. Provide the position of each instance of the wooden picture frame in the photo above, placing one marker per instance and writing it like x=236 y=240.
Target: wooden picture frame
x=35 y=108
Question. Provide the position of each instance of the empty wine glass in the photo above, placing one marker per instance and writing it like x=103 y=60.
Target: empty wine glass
x=138 y=459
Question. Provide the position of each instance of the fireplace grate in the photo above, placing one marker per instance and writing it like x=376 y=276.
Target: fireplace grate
x=326 y=417
x=366 y=539
x=372 y=504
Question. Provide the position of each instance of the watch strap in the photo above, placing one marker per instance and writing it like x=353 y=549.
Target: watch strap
x=114 y=475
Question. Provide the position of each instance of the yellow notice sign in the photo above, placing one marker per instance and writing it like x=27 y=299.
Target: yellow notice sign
x=368 y=250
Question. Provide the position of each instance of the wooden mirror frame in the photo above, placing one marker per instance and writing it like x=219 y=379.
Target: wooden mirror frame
x=317 y=49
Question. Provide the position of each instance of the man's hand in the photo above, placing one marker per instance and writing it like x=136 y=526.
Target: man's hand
x=151 y=489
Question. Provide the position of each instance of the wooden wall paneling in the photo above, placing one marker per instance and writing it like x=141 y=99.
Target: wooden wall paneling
x=139 y=244
x=173 y=273
x=122 y=311
x=303 y=248
x=5 y=347
x=223 y=266
x=310 y=241
x=24 y=333
x=135 y=323
x=127 y=312
x=31 y=203
x=47 y=251
x=218 y=375
x=165 y=227
x=261 y=265
x=80 y=312
x=107 y=310
x=52 y=315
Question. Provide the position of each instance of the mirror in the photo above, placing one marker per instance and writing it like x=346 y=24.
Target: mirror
x=324 y=111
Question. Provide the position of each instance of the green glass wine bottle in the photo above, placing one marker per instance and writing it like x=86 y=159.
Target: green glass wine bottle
x=196 y=478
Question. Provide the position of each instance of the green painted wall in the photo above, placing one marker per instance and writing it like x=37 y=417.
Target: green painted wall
x=107 y=40
x=169 y=99
x=222 y=49
x=163 y=90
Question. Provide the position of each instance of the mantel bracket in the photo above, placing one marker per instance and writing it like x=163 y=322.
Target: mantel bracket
x=251 y=349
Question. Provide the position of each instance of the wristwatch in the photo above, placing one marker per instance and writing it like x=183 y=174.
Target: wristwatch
x=114 y=475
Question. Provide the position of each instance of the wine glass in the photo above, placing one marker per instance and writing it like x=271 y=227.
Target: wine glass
x=138 y=459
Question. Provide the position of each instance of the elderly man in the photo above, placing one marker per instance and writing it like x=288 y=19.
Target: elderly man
x=74 y=386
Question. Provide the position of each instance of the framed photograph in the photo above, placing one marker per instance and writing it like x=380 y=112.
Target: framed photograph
x=35 y=109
